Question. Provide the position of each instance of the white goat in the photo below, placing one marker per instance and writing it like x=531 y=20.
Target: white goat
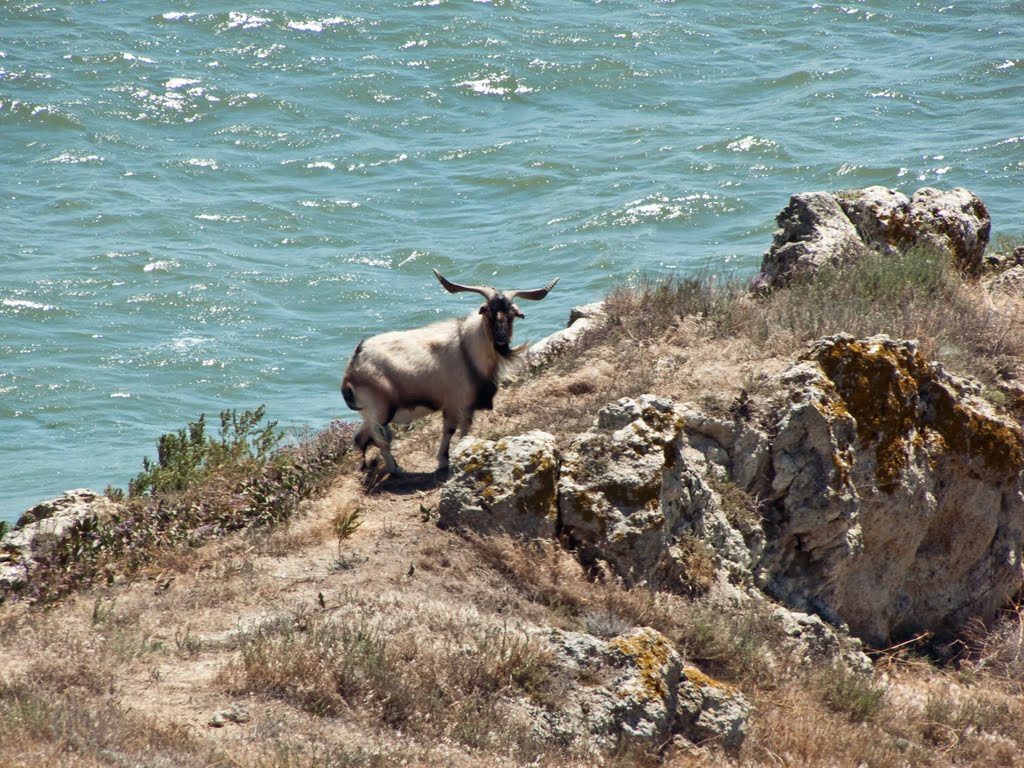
x=452 y=366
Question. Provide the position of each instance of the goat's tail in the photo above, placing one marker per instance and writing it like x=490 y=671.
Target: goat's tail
x=350 y=396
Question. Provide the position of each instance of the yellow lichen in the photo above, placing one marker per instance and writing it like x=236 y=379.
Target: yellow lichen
x=896 y=397
x=877 y=388
x=702 y=680
x=651 y=653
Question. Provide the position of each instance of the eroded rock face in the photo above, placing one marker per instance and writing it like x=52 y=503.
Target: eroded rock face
x=813 y=231
x=898 y=493
x=890 y=497
x=819 y=228
x=633 y=494
x=508 y=485
x=610 y=489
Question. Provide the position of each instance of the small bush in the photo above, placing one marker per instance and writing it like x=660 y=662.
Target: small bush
x=853 y=694
x=345 y=523
x=188 y=456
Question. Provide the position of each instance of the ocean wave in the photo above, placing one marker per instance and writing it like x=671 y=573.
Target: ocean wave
x=161 y=265
x=658 y=209
x=19 y=305
x=75 y=158
x=319 y=25
x=495 y=84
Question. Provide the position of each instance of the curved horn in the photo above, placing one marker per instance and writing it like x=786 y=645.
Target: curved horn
x=485 y=291
x=536 y=294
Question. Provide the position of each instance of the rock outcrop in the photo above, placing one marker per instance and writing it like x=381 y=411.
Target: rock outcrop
x=582 y=320
x=821 y=228
x=897 y=502
x=504 y=485
x=891 y=495
x=634 y=690
x=37 y=530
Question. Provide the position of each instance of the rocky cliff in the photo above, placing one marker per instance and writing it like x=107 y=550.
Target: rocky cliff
x=852 y=492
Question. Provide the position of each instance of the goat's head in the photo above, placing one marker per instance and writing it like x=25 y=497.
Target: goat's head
x=498 y=306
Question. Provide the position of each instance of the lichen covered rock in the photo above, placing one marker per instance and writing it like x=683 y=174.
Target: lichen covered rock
x=632 y=692
x=820 y=228
x=626 y=691
x=633 y=495
x=897 y=493
x=508 y=485
x=709 y=711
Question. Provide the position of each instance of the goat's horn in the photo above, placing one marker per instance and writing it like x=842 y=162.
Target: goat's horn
x=485 y=291
x=536 y=294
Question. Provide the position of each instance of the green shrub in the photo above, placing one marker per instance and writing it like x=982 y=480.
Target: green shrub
x=199 y=488
x=188 y=456
x=854 y=694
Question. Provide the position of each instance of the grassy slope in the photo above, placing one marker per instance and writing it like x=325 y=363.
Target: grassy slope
x=321 y=643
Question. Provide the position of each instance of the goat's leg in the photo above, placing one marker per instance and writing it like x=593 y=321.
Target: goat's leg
x=451 y=423
x=362 y=441
x=382 y=439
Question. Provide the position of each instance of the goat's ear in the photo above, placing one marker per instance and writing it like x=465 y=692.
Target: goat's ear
x=483 y=309
x=516 y=312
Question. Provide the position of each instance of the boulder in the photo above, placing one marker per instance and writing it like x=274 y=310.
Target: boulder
x=631 y=493
x=819 y=228
x=581 y=320
x=709 y=711
x=879 y=215
x=813 y=231
x=897 y=497
x=955 y=221
x=505 y=485
x=633 y=690
x=41 y=527
x=817 y=642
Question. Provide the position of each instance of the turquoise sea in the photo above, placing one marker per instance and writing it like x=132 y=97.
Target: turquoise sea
x=206 y=205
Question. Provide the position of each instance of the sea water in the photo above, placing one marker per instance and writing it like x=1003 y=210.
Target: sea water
x=205 y=205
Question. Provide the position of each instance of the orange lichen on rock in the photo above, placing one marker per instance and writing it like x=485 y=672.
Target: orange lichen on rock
x=652 y=653
x=900 y=401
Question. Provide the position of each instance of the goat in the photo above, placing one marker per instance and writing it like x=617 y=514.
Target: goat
x=452 y=366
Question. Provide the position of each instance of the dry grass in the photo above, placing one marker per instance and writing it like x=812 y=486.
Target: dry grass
x=916 y=295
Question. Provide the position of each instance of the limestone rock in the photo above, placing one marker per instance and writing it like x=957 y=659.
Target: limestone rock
x=581 y=320
x=710 y=711
x=508 y=484
x=611 y=482
x=626 y=689
x=817 y=642
x=813 y=231
x=40 y=528
x=626 y=494
x=897 y=501
x=956 y=221
x=820 y=228
x=631 y=690
x=879 y=215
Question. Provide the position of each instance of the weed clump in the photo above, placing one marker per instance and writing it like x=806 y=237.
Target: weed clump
x=458 y=683
x=198 y=488
x=189 y=456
